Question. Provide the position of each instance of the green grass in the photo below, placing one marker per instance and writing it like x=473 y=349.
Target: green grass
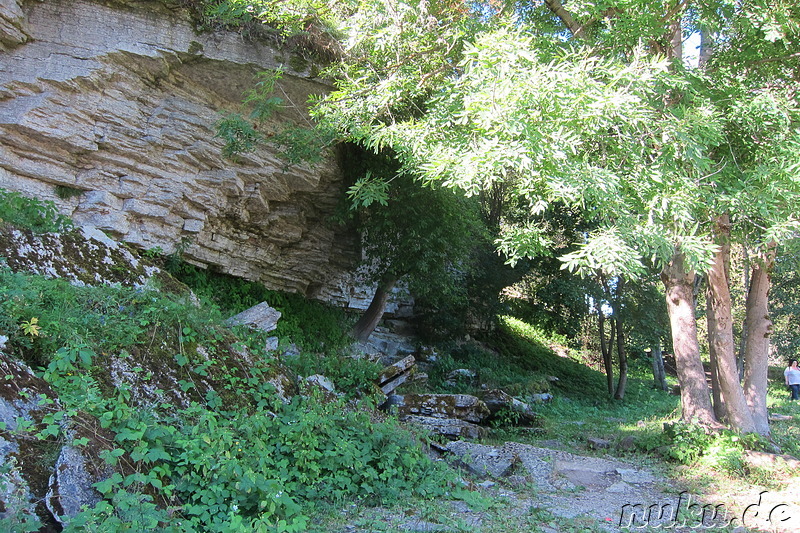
x=784 y=432
x=519 y=359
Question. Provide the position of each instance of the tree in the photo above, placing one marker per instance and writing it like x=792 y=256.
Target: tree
x=606 y=119
x=425 y=235
x=590 y=106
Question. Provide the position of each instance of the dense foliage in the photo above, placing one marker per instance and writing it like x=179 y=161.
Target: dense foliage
x=237 y=458
x=581 y=106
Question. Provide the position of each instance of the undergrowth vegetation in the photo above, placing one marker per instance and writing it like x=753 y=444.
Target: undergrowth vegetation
x=236 y=457
x=310 y=324
x=225 y=451
x=519 y=358
x=31 y=213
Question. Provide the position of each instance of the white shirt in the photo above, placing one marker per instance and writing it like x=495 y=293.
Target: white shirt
x=792 y=375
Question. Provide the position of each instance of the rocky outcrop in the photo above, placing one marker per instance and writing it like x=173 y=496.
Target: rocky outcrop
x=47 y=474
x=451 y=415
x=13 y=27
x=460 y=406
x=27 y=483
x=109 y=110
x=83 y=256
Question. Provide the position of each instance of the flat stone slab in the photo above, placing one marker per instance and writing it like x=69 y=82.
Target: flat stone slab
x=631 y=475
x=459 y=406
x=484 y=461
x=450 y=427
x=260 y=316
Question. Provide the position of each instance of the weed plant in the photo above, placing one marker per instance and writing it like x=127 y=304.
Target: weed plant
x=352 y=377
x=30 y=213
x=250 y=465
x=108 y=318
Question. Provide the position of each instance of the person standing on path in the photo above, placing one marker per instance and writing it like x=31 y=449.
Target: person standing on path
x=792 y=376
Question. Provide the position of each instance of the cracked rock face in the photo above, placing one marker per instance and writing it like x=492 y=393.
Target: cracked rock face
x=110 y=111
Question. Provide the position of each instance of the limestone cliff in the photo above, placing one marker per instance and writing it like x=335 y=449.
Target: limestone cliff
x=115 y=104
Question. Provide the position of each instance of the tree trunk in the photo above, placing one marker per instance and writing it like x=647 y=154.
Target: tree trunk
x=720 y=334
x=759 y=328
x=706 y=48
x=743 y=340
x=369 y=320
x=605 y=348
x=716 y=397
x=623 y=358
x=623 y=361
x=717 y=400
x=659 y=374
x=679 y=285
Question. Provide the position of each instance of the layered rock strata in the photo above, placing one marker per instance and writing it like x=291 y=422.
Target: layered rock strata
x=109 y=110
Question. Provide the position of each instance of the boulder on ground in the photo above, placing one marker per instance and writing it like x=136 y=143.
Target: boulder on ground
x=482 y=460
x=520 y=412
x=597 y=443
x=318 y=384
x=459 y=406
x=452 y=428
x=260 y=316
x=71 y=483
x=770 y=460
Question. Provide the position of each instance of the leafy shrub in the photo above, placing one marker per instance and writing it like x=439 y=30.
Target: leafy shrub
x=36 y=215
x=351 y=376
x=274 y=465
x=108 y=318
x=722 y=450
x=257 y=470
x=251 y=465
x=239 y=135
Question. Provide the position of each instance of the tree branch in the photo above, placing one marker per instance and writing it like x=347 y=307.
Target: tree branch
x=680 y=6
x=773 y=59
x=557 y=8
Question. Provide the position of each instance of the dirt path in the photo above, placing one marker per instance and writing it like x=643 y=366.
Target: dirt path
x=614 y=495
x=551 y=490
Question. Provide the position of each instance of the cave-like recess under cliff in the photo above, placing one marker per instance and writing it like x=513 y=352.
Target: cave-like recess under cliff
x=109 y=110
